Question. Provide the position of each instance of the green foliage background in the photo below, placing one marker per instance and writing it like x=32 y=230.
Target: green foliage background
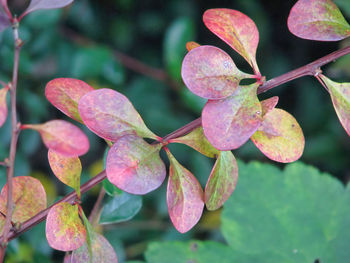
x=89 y=41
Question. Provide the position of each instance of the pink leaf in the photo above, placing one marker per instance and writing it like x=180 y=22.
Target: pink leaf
x=64 y=228
x=184 y=196
x=29 y=198
x=318 y=20
x=222 y=181
x=4 y=19
x=230 y=122
x=66 y=169
x=45 y=4
x=3 y=105
x=62 y=137
x=111 y=115
x=280 y=137
x=65 y=93
x=236 y=29
x=134 y=165
x=209 y=72
x=268 y=104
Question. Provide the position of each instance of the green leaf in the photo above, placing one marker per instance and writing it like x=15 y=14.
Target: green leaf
x=64 y=229
x=236 y=29
x=340 y=95
x=318 y=20
x=230 y=122
x=295 y=215
x=222 y=181
x=184 y=196
x=280 y=137
x=134 y=166
x=121 y=208
x=188 y=252
x=174 y=48
x=29 y=198
x=197 y=140
x=110 y=188
x=66 y=169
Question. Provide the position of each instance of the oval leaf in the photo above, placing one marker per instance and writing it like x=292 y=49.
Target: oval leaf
x=65 y=93
x=29 y=199
x=268 y=104
x=222 y=181
x=111 y=115
x=134 y=166
x=197 y=140
x=210 y=73
x=45 y=4
x=184 y=196
x=191 y=45
x=62 y=137
x=340 y=95
x=3 y=106
x=229 y=123
x=66 y=169
x=280 y=137
x=64 y=228
x=318 y=20
x=102 y=251
x=121 y=208
x=237 y=30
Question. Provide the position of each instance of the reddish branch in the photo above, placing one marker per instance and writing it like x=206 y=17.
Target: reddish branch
x=310 y=69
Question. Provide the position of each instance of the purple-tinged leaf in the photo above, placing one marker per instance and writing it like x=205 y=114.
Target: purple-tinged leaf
x=62 y=137
x=230 y=122
x=318 y=20
x=237 y=30
x=280 y=137
x=268 y=104
x=64 y=228
x=184 y=196
x=134 y=166
x=210 y=73
x=197 y=140
x=65 y=93
x=102 y=251
x=222 y=181
x=340 y=95
x=66 y=169
x=4 y=19
x=111 y=115
x=3 y=105
x=29 y=198
x=45 y=4
x=191 y=45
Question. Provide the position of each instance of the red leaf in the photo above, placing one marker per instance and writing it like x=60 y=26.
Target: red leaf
x=222 y=181
x=111 y=115
x=184 y=196
x=65 y=93
x=29 y=198
x=209 y=72
x=280 y=137
x=318 y=20
x=64 y=228
x=236 y=29
x=134 y=165
x=3 y=105
x=45 y=4
x=66 y=169
x=230 y=122
x=62 y=137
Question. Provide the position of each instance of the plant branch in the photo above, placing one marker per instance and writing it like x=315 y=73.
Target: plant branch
x=307 y=70
x=14 y=139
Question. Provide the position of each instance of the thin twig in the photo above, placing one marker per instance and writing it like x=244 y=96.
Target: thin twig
x=307 y=70
x=14 y=139
x=93 y=217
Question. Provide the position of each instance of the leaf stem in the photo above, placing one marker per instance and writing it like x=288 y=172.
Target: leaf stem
x=14 y=138
x=307 y=70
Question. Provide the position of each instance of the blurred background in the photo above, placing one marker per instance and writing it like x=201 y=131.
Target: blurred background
x=136 y=47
